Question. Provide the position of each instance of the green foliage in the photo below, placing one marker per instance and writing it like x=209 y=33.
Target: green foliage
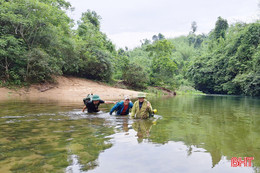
x=140 y=56
x=220 y=28
x=91 y=17
x=163 y=66
x=158 y=37
x=135 y=76
x=232 y=65
x=196 y=40
x=226 y=61
x=40 y=66
x=249 y=83
x=161 y=48
x=37 y=42
x=166 y=61
x=11 y=53
x=161 y=37
x=188 y=90
x=93 y=52
x=36 y=26
x=120 y=63
x=96 y=65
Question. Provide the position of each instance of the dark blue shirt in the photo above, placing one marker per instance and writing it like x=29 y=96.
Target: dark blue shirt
x=140 y=105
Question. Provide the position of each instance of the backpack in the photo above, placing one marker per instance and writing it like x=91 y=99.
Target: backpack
x=88 y=98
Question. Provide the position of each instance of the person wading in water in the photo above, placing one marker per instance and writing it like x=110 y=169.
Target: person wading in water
x=142 y=108
x=92 y=103
x=122 y=107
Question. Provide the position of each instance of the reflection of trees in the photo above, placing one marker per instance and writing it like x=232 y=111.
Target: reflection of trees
x=142 y=127
x=44 y=142
x=224 y=126
x=89 y=141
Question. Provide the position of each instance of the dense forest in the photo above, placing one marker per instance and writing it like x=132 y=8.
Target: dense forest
x=38 y=41
x=225 y=61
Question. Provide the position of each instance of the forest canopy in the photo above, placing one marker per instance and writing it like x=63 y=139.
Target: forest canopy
x=38 y=41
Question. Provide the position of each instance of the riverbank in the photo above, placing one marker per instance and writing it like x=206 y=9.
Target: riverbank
x=67 y=89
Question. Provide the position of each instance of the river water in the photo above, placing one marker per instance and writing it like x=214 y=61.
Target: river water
x=188 y=134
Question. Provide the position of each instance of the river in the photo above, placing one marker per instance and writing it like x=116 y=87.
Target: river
x=188 y=134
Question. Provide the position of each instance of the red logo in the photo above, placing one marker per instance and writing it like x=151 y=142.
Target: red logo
x=237 y=162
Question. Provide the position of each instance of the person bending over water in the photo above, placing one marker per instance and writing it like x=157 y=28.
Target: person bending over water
x=93 y=103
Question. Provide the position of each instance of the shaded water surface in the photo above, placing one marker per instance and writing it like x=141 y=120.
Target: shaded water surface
x=189 y=134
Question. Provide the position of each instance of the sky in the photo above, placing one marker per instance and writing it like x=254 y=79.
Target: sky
x=127 y=22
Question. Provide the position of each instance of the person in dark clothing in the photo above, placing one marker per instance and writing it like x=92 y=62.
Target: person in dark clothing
x=93 y=104
x=122 y=107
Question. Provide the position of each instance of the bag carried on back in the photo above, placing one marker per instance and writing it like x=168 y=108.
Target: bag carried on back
x=88 y=98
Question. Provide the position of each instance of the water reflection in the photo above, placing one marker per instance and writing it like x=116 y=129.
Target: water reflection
x=143 y=128
x=42 y=138
x=190 y=134
x=218 y=127
x=223 y=126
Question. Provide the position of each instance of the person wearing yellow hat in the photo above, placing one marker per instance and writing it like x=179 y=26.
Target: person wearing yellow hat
x=142 y=108
x=93 y=104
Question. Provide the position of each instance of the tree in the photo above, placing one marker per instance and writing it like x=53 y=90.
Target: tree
x=194 y=27
x=220 y=28
x=95 y=52
x=231 y=65
x=120 y=63
x=135 y=76
x=11 y=53
x=145 y=42
x=155 y=38
x=37 y=25
x=91 y=17
x=163 y=66
x=160 y=36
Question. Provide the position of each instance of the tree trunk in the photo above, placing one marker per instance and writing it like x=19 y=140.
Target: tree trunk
x=6 y=69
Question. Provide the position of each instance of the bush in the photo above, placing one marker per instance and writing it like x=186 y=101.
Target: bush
x=96 y=66
x=135 y=76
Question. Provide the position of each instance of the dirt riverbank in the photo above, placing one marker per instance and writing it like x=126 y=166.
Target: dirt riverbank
x=67 y=89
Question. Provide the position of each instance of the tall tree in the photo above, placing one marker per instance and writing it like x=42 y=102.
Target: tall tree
x=155 y=38
x=38 y=24
x=94 y=49
x=163 y=66
x=194 y=27
x=91 y=17
x=160 y=36
x=220 y=28
x=11 y=49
